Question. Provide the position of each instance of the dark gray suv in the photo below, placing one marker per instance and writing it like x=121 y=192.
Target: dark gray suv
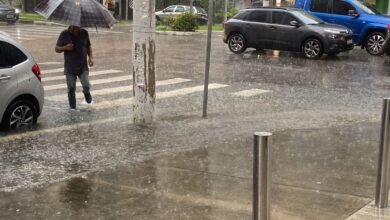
x=285 y=29
x=8 y=13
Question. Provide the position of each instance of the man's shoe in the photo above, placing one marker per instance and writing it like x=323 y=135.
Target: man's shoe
x=86 y=103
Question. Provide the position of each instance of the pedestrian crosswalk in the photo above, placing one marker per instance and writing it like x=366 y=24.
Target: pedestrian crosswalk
x=23 y=32
x=113 y=88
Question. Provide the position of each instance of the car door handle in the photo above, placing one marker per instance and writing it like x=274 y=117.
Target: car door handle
x=5 y=77
x=272 y=27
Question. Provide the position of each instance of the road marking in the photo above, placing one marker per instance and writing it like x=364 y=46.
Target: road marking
x=50 y=63
x=58 y=70
x=251 y=92
x=21 y=34
x=93 y=73
x=108 y=91
x=160 y=95
x=22 y=38
x=93 y=82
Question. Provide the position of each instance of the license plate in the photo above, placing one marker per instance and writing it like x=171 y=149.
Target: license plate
x=349 y=41
x=10 y=16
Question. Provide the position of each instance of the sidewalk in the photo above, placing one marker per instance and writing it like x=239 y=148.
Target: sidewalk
x=317 y=174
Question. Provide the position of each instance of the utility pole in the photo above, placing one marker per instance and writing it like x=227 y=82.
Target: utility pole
x=225 y=11
x=144 y=80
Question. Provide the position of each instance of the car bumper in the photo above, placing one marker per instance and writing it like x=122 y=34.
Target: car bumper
x=340 y=45
x=9 y=17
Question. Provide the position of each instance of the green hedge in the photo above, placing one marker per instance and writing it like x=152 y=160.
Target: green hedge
x=185 y=22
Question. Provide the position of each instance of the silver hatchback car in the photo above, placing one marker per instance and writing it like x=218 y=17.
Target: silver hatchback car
x=21 y=90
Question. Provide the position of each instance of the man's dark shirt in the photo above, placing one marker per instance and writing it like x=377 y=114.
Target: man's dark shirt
x=75 y=60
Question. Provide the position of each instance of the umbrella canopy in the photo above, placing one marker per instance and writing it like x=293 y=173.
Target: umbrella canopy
x=82 y=13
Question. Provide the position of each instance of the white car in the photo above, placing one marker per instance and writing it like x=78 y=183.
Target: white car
x=21 y=90
x=175 y=10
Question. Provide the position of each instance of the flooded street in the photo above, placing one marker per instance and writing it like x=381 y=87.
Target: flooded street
x=95 y=164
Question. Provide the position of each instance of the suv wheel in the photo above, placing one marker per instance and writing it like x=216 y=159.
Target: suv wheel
x=374 y=43
x=237 y=43
x=312 y=48
x=21 y=113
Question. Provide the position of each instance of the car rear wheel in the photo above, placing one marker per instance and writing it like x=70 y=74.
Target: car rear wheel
x=21 y=113
x=375 y=43
x=237 y=43
x=312 y=48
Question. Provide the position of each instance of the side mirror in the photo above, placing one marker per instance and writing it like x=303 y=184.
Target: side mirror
x=353 y=13
x=164 y=10
x=294 y=23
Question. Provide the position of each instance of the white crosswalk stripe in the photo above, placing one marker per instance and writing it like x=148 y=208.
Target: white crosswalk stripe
x=92 y=73
x=160 y=95
x=250 y=92
x=102 y=102
x=58 y=70
x=49 y=63
x=93 y=82
x=118 y=89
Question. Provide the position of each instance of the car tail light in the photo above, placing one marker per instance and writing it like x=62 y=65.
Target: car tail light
x=37 y=71
x=224 y=24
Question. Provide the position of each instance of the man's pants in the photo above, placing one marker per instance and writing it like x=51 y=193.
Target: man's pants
x=71 y=83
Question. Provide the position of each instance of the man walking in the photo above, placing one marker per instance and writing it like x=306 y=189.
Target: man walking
x=76 y=46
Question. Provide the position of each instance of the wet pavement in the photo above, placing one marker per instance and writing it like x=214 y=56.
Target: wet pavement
x=95 y=164
x=214 y=182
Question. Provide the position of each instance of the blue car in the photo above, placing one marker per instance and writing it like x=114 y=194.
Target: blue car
x=369 y=26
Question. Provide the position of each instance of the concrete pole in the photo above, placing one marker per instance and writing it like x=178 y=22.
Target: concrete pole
x=127 y=11
x=225 y=12
x=144 y=80
x=208 y=55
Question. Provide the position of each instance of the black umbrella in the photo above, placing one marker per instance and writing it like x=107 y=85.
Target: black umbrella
x=82 y=13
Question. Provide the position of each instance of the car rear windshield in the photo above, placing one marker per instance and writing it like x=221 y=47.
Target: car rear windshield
x=10 y=55
x=306 y=17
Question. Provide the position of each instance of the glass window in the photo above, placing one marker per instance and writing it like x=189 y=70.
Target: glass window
x=179 y=9
x=201 y=10
x=243 y=15
x=260 y=16
x=10 y=55
x=170 y=9
x=319 y=6
x=280 y=17
x=306 y=17
x=341 y=7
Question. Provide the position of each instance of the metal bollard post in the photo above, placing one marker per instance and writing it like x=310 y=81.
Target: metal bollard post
x=382 y=183
x=261 y=176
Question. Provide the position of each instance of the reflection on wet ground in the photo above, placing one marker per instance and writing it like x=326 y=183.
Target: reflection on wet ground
x=317 y=174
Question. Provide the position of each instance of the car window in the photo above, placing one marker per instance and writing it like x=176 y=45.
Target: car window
x=179 y=9
x=170 y=9
x=341 y=7
x=10 y=55
x=260 y=16
x=319 y=6
x=200 y=10
x=242 y=15
x=280 y=17
x=369 y=9
x=306 y=17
